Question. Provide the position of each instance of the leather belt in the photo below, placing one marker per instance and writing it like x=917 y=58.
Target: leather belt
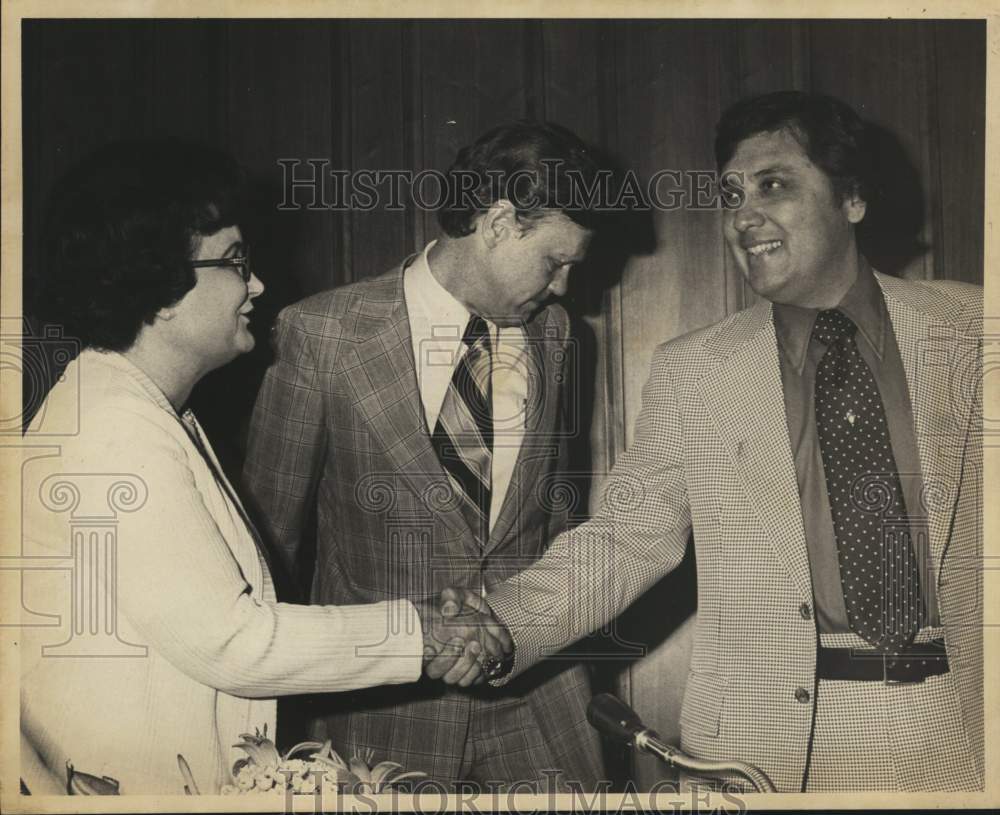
x=914 y=664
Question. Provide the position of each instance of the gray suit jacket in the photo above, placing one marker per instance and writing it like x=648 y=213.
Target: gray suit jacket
x=339 y=426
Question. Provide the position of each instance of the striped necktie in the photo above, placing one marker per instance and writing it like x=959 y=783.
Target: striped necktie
x=463 y=435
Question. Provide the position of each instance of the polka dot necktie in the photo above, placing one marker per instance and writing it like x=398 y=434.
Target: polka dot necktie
x=878 y=568
x=463 y=435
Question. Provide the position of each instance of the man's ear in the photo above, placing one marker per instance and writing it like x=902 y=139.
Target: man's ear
x=499 y=223
x=854 y=206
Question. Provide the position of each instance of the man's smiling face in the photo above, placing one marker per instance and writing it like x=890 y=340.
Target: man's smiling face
x=792 y=239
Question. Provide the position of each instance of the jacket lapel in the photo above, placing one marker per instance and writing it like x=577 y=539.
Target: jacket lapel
x=928 y=348
x=381 y=372
x=544 y=372
x=745 y=396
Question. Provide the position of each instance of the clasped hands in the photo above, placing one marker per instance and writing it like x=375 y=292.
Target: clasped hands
x=460 y=633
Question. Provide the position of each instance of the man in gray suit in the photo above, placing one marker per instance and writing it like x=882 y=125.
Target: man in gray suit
x=420 y=415
x=825 y=447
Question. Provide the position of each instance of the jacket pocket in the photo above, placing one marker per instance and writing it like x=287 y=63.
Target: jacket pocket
x=702 y=704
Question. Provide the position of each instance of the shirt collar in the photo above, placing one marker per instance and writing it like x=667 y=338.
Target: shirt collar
x=436 y=301
x=863 y=303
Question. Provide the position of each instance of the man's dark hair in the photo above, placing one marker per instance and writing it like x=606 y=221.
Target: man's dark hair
x=120 y=232
x=832 y=135
x=537 y=166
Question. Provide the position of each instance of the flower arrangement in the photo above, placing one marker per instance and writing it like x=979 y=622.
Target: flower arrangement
x=309 y=767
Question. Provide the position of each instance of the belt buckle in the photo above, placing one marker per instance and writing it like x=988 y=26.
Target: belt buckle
x=885 y=673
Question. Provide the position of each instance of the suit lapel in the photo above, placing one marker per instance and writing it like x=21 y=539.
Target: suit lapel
x=543 y=400
x=381 y=372
x=745 y=396
x=928 y=351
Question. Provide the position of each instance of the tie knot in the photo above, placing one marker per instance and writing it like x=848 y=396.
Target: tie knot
x=476 y=330
x=832 y=325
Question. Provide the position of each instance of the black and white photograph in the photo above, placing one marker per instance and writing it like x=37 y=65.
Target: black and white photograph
x=464 y=413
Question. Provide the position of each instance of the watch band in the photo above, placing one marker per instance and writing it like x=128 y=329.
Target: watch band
x=495 y=668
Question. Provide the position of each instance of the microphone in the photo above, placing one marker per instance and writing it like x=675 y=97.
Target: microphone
x=611 y=716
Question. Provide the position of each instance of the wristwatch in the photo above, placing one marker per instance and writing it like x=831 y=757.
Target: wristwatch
x=495 y=668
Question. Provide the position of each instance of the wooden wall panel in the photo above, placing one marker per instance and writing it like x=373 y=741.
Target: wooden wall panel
x=576 y=57
x=189 y=80
x=844 y=60
x=73 y=102
x=473 y=76
x=772 y=56
x=380 y=238
x=957 y=130
x=281 y=104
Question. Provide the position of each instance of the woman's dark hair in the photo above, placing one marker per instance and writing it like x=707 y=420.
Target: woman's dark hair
x=832 y=135
x=120 y=231
x=537 y=166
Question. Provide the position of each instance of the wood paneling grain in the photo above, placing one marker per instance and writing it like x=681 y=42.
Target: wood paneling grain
x=378 y=138
x=958 y=135
x=282 y=105
x=845 y=59
x=189 y=80
x=474 y=75
x=83 y=86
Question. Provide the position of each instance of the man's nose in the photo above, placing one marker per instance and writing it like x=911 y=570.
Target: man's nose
x=560 y=282
x=745 y=217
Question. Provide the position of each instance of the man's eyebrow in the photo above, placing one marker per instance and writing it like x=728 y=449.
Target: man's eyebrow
x=774 y=168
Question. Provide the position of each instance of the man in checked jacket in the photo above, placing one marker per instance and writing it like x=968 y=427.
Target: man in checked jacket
x=825 y=448
x=426 y=469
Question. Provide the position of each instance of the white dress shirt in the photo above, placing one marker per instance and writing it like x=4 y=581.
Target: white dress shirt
x=437 y=322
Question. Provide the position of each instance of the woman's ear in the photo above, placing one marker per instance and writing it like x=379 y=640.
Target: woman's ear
x=166 y=313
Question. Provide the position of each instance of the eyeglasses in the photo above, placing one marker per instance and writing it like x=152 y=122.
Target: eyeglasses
x=240 y=263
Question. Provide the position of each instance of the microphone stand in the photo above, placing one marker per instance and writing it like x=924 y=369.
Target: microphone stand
x=611 y=716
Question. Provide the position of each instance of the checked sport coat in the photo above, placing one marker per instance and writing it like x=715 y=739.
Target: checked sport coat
x=339 y=430
x=712 y=454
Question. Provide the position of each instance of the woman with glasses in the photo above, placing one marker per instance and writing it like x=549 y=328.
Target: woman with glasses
x=163 y=635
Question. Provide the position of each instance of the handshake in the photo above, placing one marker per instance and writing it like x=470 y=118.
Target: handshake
x=464 y=644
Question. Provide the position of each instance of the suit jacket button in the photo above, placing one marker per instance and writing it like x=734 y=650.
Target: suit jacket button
x=801 y=695
x=804 y=611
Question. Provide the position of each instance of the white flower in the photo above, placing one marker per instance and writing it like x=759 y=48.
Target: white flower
x=308 y=786
x=296 y=765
